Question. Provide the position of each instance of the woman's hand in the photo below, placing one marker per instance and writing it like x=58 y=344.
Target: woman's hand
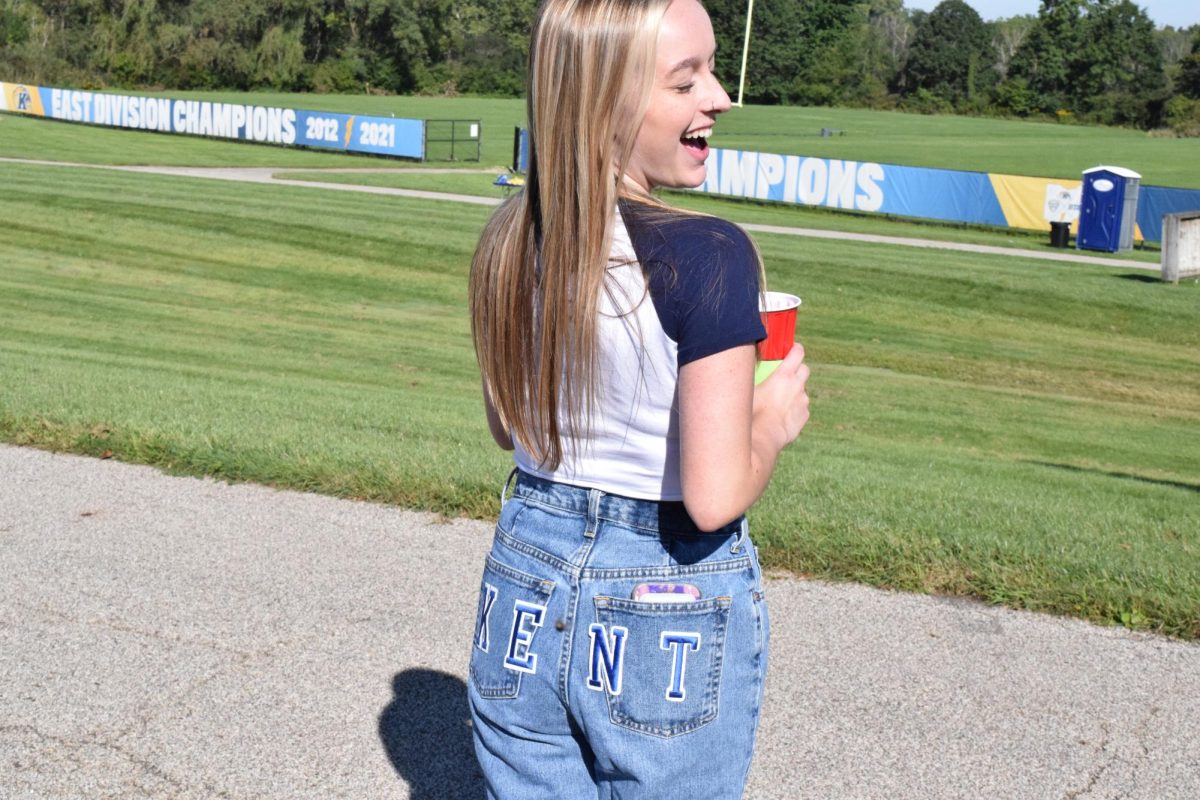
x=781 y=401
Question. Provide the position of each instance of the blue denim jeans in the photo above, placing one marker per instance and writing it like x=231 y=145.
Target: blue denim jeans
x=577 y=690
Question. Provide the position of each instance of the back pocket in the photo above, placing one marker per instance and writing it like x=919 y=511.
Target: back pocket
x=512 y=611
x=659 y=664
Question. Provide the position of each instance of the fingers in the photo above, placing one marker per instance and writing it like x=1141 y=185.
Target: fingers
x=793 y=363
x=783 y=397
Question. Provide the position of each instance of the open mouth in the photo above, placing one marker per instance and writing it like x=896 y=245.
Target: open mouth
x=697 y=142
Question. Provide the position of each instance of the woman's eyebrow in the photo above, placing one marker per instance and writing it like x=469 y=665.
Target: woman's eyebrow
x=690 y=63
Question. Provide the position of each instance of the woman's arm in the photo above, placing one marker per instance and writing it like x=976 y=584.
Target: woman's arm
x=499 y=432
x=731 y=432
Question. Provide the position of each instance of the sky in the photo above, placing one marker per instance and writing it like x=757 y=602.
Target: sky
x=1177 y=13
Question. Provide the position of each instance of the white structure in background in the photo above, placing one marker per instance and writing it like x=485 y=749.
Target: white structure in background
x=1181 y=246
x=1062 y=204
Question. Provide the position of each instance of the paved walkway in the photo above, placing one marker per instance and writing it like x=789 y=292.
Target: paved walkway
x=277 y=176
x=171 y=637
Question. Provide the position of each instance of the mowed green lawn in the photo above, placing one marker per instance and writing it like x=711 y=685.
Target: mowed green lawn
x=992 y=426
x=1013 y=147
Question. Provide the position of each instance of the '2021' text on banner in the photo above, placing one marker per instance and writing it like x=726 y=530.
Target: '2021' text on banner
x=403 y=138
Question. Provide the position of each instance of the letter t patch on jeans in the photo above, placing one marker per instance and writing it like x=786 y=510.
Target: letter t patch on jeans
x=679 y=644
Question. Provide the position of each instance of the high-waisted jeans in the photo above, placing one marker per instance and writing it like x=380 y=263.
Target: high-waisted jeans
x=577 y=689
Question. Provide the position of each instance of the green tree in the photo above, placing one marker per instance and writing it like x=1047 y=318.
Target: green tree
x=1007 y=37
x=279 y=57
x=1188 y=81
x=863 y=65
x=221 y=43
x=1045 y=59
x=1098 y=58
x=791 y=43
x=14 y=23
x=489 y=45
x=1175 y=43
x=1118 y=73
x=951 y=55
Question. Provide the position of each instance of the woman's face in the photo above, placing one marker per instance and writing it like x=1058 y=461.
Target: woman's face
x=672 y=144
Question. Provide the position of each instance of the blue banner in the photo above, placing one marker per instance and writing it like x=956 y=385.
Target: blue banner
x=403 y=138
x=1154 y=202
x=380 y=135
x=955 y=196
x=860 y=186
x=950 y=195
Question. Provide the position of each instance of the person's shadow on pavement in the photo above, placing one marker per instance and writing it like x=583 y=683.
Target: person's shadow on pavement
x=426 y=731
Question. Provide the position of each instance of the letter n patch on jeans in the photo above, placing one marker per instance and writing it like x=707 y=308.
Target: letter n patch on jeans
x=607 y=659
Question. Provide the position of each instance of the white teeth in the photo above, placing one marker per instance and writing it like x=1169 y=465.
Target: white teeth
x=701 y=134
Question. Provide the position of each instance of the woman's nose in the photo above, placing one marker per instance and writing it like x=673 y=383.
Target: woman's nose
x=720 y=98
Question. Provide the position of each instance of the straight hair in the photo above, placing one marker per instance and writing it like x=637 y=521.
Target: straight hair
x=540 y=265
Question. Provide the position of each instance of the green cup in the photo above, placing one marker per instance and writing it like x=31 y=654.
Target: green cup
x=764 y=370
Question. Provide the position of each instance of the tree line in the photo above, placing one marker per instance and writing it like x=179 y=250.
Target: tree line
x=1090 y=60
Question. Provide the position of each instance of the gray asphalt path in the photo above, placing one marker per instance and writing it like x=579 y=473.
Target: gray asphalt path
x=278 y=176
x=171 y=637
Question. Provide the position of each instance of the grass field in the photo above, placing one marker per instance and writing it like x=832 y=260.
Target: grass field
x=22 y=137
x=988 y=426
x=979 y=144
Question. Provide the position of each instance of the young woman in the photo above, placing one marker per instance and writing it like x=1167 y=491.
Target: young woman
x=621 y=637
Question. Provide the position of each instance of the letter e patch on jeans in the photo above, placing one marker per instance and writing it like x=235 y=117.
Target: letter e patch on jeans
x=527 y=618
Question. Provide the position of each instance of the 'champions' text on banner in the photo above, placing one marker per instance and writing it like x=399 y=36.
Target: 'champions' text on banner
x=403 y=138
x=1014 y=201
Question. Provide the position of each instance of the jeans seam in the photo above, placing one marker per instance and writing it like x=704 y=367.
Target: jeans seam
x=665 y=571
x=513 y=543
x=574 y=579
x=532 y=582
x=568 y=648
x=650 y=529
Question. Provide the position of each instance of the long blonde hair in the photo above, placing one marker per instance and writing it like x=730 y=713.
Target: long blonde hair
x=540 y=265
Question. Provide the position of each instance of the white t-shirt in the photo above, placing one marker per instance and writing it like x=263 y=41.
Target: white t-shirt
x=681 y=287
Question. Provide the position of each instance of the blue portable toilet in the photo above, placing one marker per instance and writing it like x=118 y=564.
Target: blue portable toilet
x=1108 y=209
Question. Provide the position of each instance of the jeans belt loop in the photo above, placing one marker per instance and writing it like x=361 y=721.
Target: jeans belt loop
x=507 y=483
x=593 y=514
x=743 y=533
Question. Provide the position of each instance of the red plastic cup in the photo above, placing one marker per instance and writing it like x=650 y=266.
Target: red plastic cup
x=778 y=312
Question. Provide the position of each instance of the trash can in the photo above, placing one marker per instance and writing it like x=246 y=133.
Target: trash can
x=1108 y=209
x=1060 y=234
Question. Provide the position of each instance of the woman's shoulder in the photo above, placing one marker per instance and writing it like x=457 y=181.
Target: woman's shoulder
x=666 y=235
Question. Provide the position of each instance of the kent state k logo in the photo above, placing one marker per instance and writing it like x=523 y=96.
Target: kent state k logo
x=24 y=99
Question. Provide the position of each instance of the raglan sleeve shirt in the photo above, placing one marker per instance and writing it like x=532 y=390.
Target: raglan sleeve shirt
x=704 y=279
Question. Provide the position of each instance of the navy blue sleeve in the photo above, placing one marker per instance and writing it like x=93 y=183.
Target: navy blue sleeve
x=703 y=275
